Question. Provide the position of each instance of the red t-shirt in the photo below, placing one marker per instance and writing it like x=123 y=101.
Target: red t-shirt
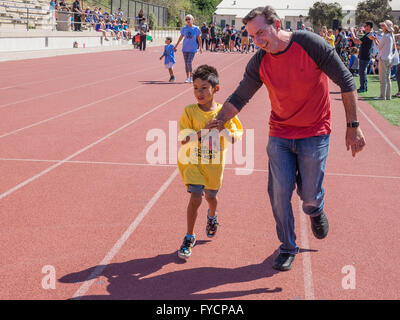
x=297 y=83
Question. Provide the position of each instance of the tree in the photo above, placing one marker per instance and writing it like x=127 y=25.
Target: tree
x=373 y=10
x=323 y=14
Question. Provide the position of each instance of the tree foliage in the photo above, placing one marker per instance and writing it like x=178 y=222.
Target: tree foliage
x=201 y=10
x=373 y=10
x=323 y=14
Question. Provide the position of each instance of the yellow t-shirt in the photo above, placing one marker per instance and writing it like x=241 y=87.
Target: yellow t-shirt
x=331 y=40
x=196 y=162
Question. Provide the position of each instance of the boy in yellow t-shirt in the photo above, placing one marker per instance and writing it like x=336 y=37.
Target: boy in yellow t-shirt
x=201 y=160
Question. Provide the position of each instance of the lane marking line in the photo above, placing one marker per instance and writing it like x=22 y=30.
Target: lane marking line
x=51 y=168
x=112 y=163
x=68 y=112
x=390 y=143
x=73 y=88
x=307 y=269
x=121 y=241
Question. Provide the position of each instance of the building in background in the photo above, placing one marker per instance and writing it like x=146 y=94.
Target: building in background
x=293 y=13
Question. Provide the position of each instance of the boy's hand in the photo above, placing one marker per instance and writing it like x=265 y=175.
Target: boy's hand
x=161 y=57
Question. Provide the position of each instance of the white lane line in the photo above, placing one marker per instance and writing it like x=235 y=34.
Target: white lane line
x=307 y=269
x=69 y=111
x=390 y=143
x=113 y=163
x=72 y=74
x=59 y=163
x=121 y=241
x=76 y=87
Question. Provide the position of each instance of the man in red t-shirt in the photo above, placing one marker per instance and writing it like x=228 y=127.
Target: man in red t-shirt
x=295 y=67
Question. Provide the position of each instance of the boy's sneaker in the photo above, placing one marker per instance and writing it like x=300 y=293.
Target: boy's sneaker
x=172 y=79
x=191 y=79
x=187 y=80
x=212 y=225
x=186 y=248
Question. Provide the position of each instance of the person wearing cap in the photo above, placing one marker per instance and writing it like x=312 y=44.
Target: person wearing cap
x=385 y=55
x=364 y=56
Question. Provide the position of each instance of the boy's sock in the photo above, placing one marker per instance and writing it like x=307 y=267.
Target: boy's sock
x=215 y=216
x=190 y=235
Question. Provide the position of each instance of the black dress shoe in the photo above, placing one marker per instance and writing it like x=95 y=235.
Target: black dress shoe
x=283 y=262
x=320 y=226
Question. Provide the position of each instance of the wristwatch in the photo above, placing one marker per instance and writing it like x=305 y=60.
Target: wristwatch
x=353 y=124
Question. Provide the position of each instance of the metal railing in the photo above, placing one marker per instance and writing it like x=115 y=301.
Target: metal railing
x=63 y=20
x=25 y=15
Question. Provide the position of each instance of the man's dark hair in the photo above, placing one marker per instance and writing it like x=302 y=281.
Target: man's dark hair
x=369 y=23
x=268 y=12
x=207 y=73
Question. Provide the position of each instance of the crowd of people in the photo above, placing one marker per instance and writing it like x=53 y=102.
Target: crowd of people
x=226 y=39
x=365 y=51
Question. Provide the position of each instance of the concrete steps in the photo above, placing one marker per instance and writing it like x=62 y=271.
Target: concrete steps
x=15 y=15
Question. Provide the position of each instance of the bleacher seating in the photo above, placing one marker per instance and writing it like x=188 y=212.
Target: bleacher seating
x=23 y=14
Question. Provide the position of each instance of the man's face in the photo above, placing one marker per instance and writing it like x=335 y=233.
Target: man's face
x=264 y=35
x=367 y=28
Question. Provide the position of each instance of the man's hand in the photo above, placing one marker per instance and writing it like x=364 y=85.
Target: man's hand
x=355 y=140
x=216 y=124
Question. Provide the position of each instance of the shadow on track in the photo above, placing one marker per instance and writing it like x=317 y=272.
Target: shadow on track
x=133 y=280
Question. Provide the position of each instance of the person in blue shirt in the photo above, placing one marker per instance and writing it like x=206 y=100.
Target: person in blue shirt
x=169 y=55
x=192 y=40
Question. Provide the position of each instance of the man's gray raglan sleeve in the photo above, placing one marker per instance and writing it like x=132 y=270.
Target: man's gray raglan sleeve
x=250 y=83
x=326 y=58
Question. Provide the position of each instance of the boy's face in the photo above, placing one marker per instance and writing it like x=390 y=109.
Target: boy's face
x=203 y=91
x=167 y=41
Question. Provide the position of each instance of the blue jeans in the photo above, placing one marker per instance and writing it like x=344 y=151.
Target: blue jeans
x=291 y=162
x=363 y=67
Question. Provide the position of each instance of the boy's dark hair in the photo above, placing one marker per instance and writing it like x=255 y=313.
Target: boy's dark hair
x=369 y=23
x=169 y=38
x=268 y=12
x=207 y=73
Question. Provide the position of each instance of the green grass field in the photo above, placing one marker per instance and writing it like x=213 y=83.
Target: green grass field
x=389 y=109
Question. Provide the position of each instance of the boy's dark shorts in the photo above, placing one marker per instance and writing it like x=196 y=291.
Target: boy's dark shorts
x=199 y=189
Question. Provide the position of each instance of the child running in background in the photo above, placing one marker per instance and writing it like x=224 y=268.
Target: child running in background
x=200 y=166
x=169 y=55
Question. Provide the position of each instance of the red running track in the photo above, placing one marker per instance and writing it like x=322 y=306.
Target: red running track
x=77 y=193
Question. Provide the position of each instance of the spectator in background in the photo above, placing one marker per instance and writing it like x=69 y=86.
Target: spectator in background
x=364 y=56
x=330 y=37
x=385 y=57
x=143 y=29
x=190 y=34
x=227 y=37
x=354 y=63
x=205 y=35
x=139 y=18
x=76 y=8
x=397 y=44
x=245 y=40
x=100 y=27
x=213 y=37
